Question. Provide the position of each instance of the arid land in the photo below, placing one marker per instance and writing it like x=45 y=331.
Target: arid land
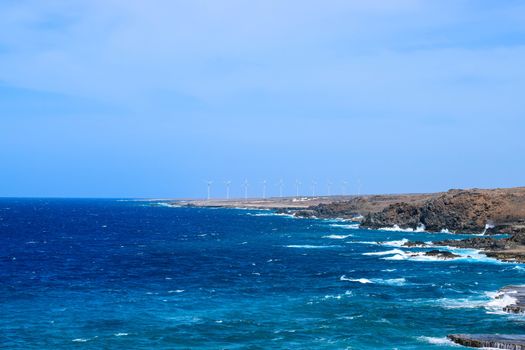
x=481 y=211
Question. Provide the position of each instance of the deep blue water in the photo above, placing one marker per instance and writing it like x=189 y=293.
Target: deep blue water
x=117 y=274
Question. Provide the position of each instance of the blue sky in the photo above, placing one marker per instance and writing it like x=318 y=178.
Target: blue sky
x=124 y=98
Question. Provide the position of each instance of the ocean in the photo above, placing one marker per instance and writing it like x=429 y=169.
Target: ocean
x=114 y=274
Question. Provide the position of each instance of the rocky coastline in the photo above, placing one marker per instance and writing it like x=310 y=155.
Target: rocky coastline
x=485 y=212
x=498 y=341
x=497 y=216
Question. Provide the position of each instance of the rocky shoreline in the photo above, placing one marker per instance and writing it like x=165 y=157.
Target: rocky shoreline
x=492 y=341
x=488 y=213
x=498 y=341
x=466 y=211
x=476 y=211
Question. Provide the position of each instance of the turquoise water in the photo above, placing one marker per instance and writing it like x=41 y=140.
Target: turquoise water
x=116 y=274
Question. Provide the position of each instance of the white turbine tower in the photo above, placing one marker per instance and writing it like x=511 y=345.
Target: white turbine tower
x=345 y=185
x=329 y=184
x=208 y=183
x=314 y=183
x=281 y=183
x=245 y=185
x=297 y=185
x=227 y=183
x=264 y=182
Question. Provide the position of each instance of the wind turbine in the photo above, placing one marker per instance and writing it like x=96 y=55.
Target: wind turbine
x=281 y=183
x=297 y=185
x=246 y=184
x=264 y=182
x=314 y=183
x=345 y=184
x=227 y=183
x=208 y=183
x=329 y=183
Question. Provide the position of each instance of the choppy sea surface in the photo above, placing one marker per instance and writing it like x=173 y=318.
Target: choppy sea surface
x=132 y=275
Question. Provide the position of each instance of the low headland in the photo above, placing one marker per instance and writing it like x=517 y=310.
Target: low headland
x=486 y=212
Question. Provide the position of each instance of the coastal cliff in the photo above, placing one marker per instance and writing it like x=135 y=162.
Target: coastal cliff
x=456 y=210
x=474 y=211
x=465 y=211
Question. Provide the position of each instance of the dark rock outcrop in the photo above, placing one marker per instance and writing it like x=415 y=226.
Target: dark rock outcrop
x=511 y=249
x=414 y=244
x=442 y=254
x=498 y=341
x=404 y=215
x=475 y=243
x=455 y=210
x=462 y=211
x=494 y=341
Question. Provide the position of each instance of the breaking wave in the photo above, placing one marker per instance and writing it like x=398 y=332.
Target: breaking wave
x=396 y=228
x=347 y=226
x=308 y=246
x=388 y=282
x=442 y=341
x=337 y=236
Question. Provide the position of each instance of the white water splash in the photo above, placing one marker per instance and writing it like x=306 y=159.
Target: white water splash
x=396 y=228
x=386 y=252
x=307 y=246
x=440 y=341
x=337 y=236
x=346 y=226
x=388 y=282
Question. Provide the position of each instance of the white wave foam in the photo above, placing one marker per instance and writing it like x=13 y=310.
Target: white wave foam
x=347 y=226
x=164 y=204
x=271 y=214
x=461 y=303
x=337 y=236
x=389 y=282
x=442 y=341
x=307 y=246
x=420 y=228
x=463 y=255
x=493 y=302
x=120 y=334
x=338 y=296
x=360 y=280
x=396 y=228
x=80 y=340
x=397 y=243
x=416 y=256
x=386 y=252
x=500 y=300
x=488 y=226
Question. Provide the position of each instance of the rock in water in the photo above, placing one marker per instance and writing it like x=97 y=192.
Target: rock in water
x=498 y=341
x=442 y=254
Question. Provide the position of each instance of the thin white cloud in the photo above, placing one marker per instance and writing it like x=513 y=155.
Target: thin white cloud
x=385 y=56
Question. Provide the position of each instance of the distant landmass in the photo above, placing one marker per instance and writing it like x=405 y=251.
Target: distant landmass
x=481 y=211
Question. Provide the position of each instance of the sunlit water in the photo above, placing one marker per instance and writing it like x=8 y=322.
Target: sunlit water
x=119 y=274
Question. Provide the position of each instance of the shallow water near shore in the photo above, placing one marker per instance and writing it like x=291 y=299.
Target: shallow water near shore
x=116 y=274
